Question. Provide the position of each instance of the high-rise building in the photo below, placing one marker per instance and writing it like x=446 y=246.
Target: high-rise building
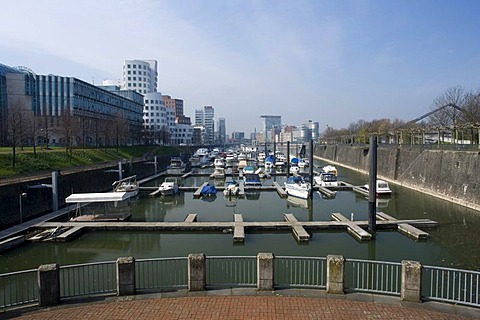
x=204 y=117
x=209 y=123
x=140 y=75
x=271 y=124
x=309 y=131
x=199 y=117
x=222 y=131
x=155 y=120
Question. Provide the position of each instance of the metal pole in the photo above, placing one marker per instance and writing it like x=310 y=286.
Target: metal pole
x=288 y=158
x=155 y=161
x=311 y=168
x=21 y=211
x=55 y=190
x=372 y=185
x=120 y=175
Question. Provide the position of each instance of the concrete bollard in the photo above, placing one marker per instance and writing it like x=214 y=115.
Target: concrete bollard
x=196 y=272
x=265 y=271
x=125 y=276
x=411 y=281
x=48 y=285
x=335 y=274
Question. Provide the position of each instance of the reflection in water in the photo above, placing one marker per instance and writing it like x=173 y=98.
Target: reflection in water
x=454 y=243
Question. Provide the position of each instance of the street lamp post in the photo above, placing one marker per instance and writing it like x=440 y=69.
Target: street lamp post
x=20 y=197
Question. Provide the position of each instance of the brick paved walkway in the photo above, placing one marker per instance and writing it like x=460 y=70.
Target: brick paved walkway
x=239 y=307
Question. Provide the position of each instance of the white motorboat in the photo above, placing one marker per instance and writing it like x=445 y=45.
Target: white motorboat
x=294 y=169
x=176 y=165
x=330 y=169
x=128 y=185
x=269 y=162
x=303 y=163
x=382 y=188
x=231 y=189
x=219 y=173
x=280 y=160
x=169 y=186
x=298 y=187
x=326 y=180
x=261 y=157
x=219 y=163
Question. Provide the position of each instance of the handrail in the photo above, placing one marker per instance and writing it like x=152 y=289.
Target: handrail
x=443 y=284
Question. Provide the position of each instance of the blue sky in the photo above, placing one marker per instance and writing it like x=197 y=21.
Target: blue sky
x=329 y=61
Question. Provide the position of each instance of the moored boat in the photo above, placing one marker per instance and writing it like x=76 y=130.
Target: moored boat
x=382 y=188
x=231 y=188
x=298 y=187
x=326 y=180
x=176 y=165
x=128 y=185
x=169 y=186
x=330 y=169
x=252 y=179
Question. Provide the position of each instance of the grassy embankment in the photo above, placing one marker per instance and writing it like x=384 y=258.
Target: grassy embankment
x=57 y=158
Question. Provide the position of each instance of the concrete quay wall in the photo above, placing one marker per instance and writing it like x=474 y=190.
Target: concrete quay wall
x=448 y=174
x=38 y=201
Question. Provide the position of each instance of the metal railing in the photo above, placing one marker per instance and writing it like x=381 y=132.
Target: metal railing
x=451 y=285
x=373 y=276
x=306 y=272
x=161 y=273
x=18 y=288
x=88 y=279
x=100 y=278
x=232 y=271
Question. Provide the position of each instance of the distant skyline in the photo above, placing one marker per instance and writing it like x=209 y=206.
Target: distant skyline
x=334 y=62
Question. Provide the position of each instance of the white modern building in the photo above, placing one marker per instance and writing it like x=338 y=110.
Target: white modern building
x=209 y=123
x=155 y=120
x=140 y=76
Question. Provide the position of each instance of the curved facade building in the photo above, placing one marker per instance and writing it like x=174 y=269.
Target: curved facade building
x=140 y=76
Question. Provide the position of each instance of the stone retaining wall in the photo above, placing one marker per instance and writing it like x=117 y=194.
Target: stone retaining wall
x=447 y=174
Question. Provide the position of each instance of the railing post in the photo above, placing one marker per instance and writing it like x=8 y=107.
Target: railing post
x=125 y=276
x=196 y=272
x=265 y=271
x=48 y=285
x=335 y=274
x=411 y=281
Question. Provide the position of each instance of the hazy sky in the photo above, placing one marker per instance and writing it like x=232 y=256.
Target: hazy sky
x=331 y=61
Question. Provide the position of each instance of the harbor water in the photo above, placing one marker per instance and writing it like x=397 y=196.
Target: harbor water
x=455 y=242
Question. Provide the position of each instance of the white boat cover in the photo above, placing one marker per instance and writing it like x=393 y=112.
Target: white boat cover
x=97 y=197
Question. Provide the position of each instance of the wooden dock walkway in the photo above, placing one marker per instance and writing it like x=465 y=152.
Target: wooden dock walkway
x=281 y=192
x=297 y=229
x=354 y=229
x=404 y=228
x=239 y=226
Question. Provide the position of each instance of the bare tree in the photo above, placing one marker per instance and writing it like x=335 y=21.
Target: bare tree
x=16 y=126
x=68 y=124
x=449 y=115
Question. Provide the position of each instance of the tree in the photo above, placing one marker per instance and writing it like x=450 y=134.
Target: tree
x=16 y=125
x=68 y=124
x=449 y=115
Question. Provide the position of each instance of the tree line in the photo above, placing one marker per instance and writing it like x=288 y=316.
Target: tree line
x=454 y=113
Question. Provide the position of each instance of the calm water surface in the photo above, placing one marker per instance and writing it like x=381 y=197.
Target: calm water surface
x=454 y=243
